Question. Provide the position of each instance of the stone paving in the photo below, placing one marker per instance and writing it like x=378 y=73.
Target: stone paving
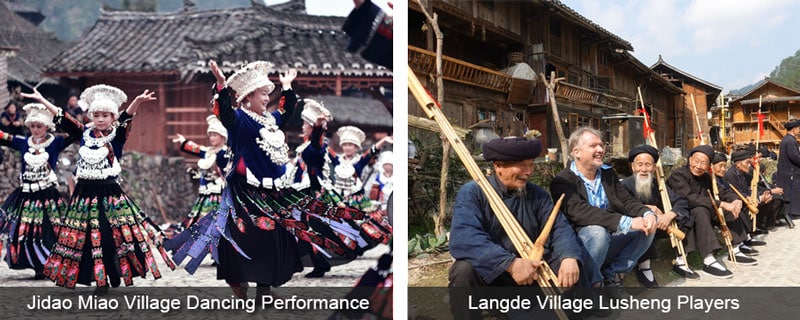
x=778 y=265
x=206 y=276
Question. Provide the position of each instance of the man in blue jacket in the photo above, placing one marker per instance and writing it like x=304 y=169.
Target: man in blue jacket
x=483 y=251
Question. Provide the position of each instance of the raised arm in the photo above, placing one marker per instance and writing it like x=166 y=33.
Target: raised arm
x=39 y=98
x=223 y=108
x=188 y=146
x=147 y=95
x=287 y=107
x=71 y=126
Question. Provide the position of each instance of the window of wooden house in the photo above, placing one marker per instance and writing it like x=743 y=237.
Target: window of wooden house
x=604 y=83
x=573 y=78
x=604 y=60
x=484 y=114
x=576 y=121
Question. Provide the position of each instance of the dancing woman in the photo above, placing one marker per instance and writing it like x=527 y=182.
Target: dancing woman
x=213 y=160
x=35 y=209
x=104 y=237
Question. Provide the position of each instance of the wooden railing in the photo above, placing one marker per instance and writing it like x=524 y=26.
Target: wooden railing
x=424 y=61
x=576 y=93
x=775 y=123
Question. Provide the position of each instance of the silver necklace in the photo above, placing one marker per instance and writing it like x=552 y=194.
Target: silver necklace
x=90 y=141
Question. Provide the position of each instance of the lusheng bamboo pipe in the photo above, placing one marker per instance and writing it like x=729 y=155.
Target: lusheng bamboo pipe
x=723 y=228
x=526 y=248
x=750 y=206
x=675 y=234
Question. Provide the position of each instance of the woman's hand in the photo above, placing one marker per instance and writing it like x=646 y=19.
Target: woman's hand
x=147 y=95
x=180 y=139
x=287 y=77
x=217 y=73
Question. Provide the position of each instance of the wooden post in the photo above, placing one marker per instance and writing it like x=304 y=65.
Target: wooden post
x=551 y=92
x=442 y=215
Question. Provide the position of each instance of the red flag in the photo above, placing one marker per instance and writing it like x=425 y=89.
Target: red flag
x=760 y=123
x=647 y=128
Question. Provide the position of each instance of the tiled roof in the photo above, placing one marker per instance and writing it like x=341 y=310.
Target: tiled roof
x=183 y=41
x=356 y=111
x=36 y=47
x=664 y=64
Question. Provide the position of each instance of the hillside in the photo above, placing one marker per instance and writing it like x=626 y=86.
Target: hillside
x=69 y=19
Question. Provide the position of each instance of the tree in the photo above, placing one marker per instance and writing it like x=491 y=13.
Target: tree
x=140 y=5
x=788 y=72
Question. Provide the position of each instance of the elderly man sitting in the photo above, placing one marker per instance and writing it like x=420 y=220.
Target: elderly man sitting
x=483 y=251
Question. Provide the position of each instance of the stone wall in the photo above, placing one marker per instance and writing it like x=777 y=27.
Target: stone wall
x=158 y=184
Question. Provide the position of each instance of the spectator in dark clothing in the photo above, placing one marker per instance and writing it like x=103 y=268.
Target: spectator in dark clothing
x=74 y=109
x=11 y=119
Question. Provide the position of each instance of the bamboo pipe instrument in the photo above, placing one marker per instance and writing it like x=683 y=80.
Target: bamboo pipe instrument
x=750 y=206
x=675 y=234
x=697 y=118
x=522 y=243
x=723 y=228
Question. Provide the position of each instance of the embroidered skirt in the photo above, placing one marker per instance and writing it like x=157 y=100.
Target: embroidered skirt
x=104 y=238
x=32 y=220
x=357 y=211
x=254 y=234
x=205 y=204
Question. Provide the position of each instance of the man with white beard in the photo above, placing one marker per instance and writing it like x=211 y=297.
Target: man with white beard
x=644 y=186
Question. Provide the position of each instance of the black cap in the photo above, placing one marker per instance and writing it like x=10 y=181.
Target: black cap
x=719 y=157
x=643 y=148
x=511 y=149
x=791 y=124
x=742 y=154
x=705 y=149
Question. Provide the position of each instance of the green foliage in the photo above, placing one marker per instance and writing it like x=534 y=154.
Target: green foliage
x=424 y=181
x=427 y=243
x=140 y=5
x=788 y=72
x=69 y=19
x=544 y=172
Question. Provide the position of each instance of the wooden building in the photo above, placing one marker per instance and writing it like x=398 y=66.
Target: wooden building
x=600 y=76
x=778 y=105
x=168 y=53
x=700 y=94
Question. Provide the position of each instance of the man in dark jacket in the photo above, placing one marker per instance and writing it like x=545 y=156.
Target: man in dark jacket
x=484 y=253
x=614 y=227
x=644 y=186
x=740 y=175
x=789 y=168
x=693 y=182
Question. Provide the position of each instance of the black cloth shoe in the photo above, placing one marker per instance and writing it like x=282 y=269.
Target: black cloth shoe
x=754 y=242
x=748 y=251
x=614 y=288
x=716 y=272
x=744 y=260
x=759 y=231
x=688 y=275
x=644 y=281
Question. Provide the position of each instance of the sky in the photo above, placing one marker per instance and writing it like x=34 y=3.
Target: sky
x=730 y=43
